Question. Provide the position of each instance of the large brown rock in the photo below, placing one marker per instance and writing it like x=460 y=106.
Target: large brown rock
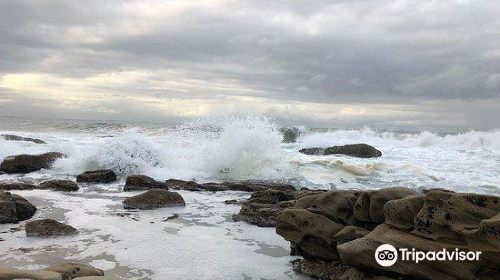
x=360 y=253
x=349 y=233
x=48 y=228
x=141 y=183
x=336 y=205
x=311 y=234
x=449 y=217
x=39 y=274
x=244 y=186
x=152 y=199
x=74 y=270
x=354 y=150
x=402 y=212
x=97 y=176
x=28 y=163
x=59 y=185
x=10 y=137
x=370 y=205
x=14 y=208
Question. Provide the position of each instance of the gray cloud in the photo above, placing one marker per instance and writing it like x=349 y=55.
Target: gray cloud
x=430 y=58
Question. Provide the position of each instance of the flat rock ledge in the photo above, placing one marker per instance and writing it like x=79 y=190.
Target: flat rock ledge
x=14 y=208
x=48 y=228
x=353 y=150
x=59 y=271
x=244 y=186
x=11 y=137
x=55 y=185
x=97 y=176
x=338 y=232
x=141 y=183
x=28 y=163
x=152 y=199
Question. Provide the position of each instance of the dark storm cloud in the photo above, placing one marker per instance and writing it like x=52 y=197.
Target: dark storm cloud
x=426 y=54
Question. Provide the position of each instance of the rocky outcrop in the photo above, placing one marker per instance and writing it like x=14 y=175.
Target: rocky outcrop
x=152 y=199
x=10 y=137
x=7 y=186
x=330 y=237
x=48 y=228
x=141 y=183
x=244 y=186
x=28 y=163
x=75 y=270
x=14 y=208
x=59 y=185
x=59 y=271
x=353 y=150
x=97 y=176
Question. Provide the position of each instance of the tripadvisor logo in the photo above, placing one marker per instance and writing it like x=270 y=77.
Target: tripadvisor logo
x=387 y=255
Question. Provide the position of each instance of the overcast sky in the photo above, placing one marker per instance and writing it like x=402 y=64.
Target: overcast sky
x=390 y=64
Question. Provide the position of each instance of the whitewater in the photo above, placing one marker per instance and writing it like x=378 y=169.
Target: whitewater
x=140 y=245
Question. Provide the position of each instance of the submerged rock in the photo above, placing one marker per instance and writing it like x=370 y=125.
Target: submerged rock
x=244 y=186
x=48 y=228
x=354 y=150
x=59 y=185
x=97 y=176
x=14 y=208
x=28 y=163
x=141 y=183
x=152 y=199
x=16 y=186
x=10 y=137
x=75 y=270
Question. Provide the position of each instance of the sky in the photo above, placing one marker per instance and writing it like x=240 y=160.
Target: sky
x=348 y=63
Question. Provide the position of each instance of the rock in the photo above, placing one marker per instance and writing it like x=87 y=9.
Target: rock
x=59 y=185
x=231 y=201
x=354 y=150
x=97 y=176
x=290 y=134
x=16 y=186
x=312 y=151
x=336 y=205
x=141 y=183
x=16 y=274
x=48 y=228
x=244 y=186
x=312 y=234
x=97 y=278
x=74 y=270
x=400 y=213
x=360 y=252
x=449 y=217
x=28 y=163
x=353 y=274
x=152 y=199
x=14 y=208
x=320 y=269
x=11 y=137
x=349 y=233
x=370 y=205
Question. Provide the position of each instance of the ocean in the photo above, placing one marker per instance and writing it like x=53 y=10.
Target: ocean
x=204 y=241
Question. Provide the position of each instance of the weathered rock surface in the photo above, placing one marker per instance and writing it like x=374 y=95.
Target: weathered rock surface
x=17 y=186
x=141 y=183
x=97 y=176
x=401 y=213
x=28 y=163
x=59 y=185
x=244 y=186
x=74 y=270
x=14 y=208
x=152 y=199
x=16 y=274
x=48 y=228
x=349 y=233
x=97 y=278
x=354 y=150
x=11 y=137
x=336 y=205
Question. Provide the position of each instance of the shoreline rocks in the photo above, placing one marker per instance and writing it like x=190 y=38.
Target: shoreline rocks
x=244 y=186
x=28 y=163
x=152 y=199
x=14 y=208
x=48 y=228
x=141 y=183
x=353 y=150
x=59 y=185
x=97 y=176
x=343 y=229
x=59 y=271
x=11 y=137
